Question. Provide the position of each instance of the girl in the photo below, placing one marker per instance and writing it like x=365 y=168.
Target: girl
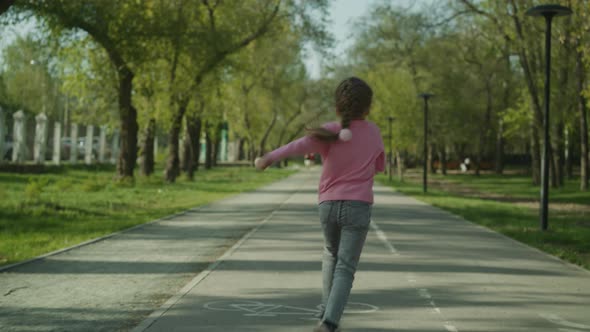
x=352 y=152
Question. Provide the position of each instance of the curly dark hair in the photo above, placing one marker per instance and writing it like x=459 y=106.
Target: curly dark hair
x=353 y=98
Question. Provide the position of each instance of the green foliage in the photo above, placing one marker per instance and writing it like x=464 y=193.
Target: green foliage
x=483 y=60
x=89 y=82
x=268 y=97
x=395 y=96
x=178 y=53
x=518 y=119
x=28 y=82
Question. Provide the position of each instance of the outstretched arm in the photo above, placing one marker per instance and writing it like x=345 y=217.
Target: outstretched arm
x=298 y=147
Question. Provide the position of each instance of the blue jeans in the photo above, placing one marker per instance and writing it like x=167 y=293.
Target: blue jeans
x=345 y=225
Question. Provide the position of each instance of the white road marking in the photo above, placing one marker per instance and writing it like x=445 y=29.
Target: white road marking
x=560 y=321
x=451 y=328
x=155 y=315
x=423 y=292
x=381 y=235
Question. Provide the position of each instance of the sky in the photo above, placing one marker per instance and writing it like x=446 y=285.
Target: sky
x=342 y=15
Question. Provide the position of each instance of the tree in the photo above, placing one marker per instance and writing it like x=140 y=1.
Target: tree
x=5 y=5
x=581 y=43
x=29 y=81
x=220 y=37
x=121 y=28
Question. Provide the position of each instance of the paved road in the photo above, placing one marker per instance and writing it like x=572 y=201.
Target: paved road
x=113 y=284
x=422 y=270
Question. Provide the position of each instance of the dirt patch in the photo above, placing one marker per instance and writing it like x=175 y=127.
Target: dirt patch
x=561 y=207
x=466 y=191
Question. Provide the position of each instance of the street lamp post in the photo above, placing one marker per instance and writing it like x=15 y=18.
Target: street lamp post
x=425 y=96
x=547 y=11
x=390 y=160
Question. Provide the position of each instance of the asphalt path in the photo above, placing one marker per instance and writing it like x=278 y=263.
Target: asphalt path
x=422 y=269
x=252 y=263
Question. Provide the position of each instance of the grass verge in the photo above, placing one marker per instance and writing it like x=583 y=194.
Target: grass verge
x=43 y=213
x=509 y=204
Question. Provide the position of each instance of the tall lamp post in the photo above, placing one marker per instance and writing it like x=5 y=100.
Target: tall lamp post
x=547 y=11
x=425 y=96
x=390 y=160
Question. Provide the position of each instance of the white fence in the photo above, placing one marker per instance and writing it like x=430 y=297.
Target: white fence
x=29 y=141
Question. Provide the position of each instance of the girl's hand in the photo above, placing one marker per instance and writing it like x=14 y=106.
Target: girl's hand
x=262 y=163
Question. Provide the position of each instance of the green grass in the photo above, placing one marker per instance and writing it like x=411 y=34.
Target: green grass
x=43 y=213
x=519 y=186
x=568 y=236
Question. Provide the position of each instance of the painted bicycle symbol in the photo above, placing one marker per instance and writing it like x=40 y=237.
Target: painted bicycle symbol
x=261 y=309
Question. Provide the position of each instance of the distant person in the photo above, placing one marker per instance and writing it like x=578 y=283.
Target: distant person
x=352 y=152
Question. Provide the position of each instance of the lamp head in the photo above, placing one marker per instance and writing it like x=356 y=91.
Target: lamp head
x=549 y=11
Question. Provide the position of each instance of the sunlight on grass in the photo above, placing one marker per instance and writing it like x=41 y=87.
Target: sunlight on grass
x=43 y=213
x=569 y=233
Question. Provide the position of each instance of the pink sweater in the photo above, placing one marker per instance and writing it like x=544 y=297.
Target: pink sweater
x=348 y=167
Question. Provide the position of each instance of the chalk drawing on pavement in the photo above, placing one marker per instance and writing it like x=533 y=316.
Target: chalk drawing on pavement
x=262 y=309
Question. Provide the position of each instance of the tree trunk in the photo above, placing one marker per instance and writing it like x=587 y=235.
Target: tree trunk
x=173 y=162
x=185 y=153
x=499 y=160
x=485 y=130
x=251 y=152
x=581 y=82
x=553 y=169
x=564 y=99
x=241 y=152
x=430 y=161
x=480 y=147
x=478 y=157
x=499 y=157
x=147 y=160
x=535 y=156
x=530 y=66
x=442 y=156
x=569 y=153
x=261 y=150
x=560 y=155
x=129 y=127
x=400 y=166
x=289 y=121
x=217 y=143
x=208 y=148
x=193 y=130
